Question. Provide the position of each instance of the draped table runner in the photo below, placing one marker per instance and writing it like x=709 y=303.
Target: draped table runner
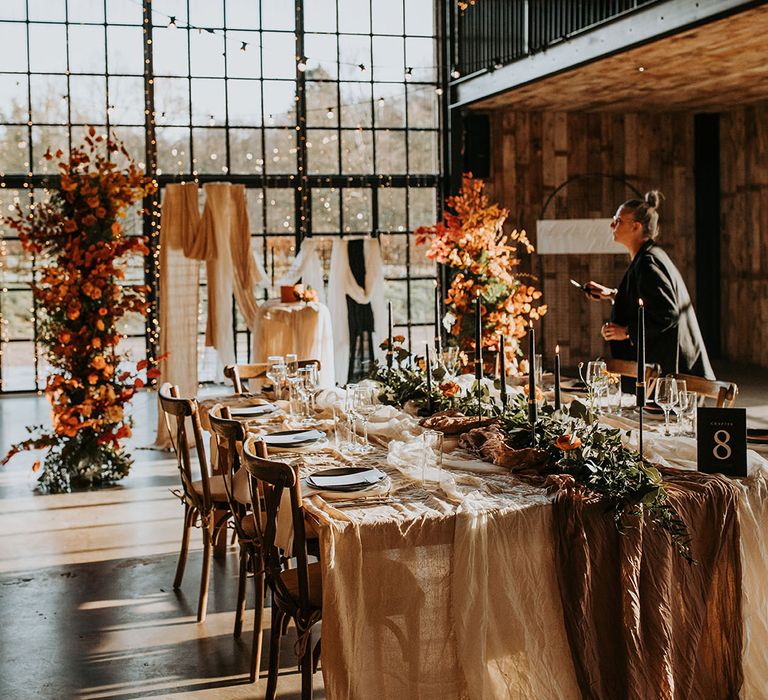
x=300 y=328
x=453 y=592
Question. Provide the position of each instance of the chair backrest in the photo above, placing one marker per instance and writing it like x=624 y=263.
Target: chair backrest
x=270 y=480
x=177 y=410
x=239 y=373
x=230 y=435
x=723 y=393
x=628 y=368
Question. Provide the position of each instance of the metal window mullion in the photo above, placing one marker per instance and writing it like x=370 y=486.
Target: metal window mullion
x=303 y=216
x=408 y=309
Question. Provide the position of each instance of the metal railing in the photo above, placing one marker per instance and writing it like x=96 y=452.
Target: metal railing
x=492 y=33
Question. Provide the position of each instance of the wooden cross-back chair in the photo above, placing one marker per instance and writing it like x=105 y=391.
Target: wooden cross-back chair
x=723 y=393
x=237 y=374
x=200 y=497
x=297 y=592
x=628 y=368
x=230 y=435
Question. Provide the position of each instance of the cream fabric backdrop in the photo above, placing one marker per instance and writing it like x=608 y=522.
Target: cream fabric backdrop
x=307 y=268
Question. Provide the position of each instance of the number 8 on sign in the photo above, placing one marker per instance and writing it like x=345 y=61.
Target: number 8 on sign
x=722 y=450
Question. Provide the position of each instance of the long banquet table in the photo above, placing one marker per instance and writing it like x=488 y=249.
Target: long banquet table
x=452 y=592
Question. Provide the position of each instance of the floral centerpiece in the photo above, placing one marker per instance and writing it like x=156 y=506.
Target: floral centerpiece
x=484 y=261
x=82 y=301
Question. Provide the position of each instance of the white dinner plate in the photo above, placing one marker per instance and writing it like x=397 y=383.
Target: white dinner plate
x=293 y=438
x=252 y=411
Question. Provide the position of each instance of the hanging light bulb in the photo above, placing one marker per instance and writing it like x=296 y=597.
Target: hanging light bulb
x=329 y=113
x=243 y=46
x=455 y=73
x=409 y=73
x=362 y=67
x=301 y=63
x=172 y=23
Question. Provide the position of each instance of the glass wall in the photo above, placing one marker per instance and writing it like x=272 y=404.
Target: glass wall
x=328 y=112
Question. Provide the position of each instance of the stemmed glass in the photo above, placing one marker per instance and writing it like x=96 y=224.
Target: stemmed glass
x=666 y=397
x=349 y=410
x=450 y=360
x=364 y=405
x=613 y=393
x=310 y=381
x=597 y=374
x=690 y=403
x=679 y=408
x=276 y=372
x=292 y=365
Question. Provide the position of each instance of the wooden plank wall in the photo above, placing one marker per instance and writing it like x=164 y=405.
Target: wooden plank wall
x=535 y=152
x=744 y=237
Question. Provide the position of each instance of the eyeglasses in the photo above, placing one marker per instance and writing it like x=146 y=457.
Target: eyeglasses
x=617 y=220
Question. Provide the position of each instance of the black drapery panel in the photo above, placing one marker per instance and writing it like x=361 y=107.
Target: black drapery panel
x=360 y=318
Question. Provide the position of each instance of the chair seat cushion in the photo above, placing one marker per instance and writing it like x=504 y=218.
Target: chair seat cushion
x=216 y=485
x=291 y=581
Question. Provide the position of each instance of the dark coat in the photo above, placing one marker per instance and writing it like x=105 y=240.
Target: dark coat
x=672 y=335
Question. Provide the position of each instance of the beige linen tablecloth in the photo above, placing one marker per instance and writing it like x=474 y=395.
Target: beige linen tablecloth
x=453 y=593
x=303 y=329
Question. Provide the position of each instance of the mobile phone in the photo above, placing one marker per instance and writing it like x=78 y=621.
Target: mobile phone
x=580 y=286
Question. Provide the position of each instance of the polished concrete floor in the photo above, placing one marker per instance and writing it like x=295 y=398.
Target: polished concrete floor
x=87 y=608
x=86 y=605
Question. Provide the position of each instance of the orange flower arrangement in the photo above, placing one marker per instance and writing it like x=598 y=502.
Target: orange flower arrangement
x=82 y=300
x=470 y=240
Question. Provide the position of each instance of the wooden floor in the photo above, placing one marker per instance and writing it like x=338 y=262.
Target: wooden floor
x=86 y=605
x=87 y=609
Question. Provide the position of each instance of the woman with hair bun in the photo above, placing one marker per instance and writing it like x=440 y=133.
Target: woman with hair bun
x=673 y=337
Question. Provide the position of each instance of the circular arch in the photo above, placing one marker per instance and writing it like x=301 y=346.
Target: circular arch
x=585 y=176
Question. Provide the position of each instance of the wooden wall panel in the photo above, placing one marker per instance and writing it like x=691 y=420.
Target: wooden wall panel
x=535 y=152
x=744 y=234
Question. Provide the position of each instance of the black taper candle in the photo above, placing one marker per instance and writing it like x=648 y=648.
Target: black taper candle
x=531 y=376
x=389 y=335
x=557 y=378
x=272 y=255
x=478 y=351
x=503 y=372
x=438 y=325
x=429 y=379
x=640 y=393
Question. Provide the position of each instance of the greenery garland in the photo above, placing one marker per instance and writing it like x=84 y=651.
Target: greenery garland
x=593 y=455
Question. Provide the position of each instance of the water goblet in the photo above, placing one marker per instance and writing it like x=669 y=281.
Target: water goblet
x=309 y=379
x=432 y=462
x=276 y=372
x=691 y=401
x=666 y=397
x=613 y=393
x=679 y=408
x=296 y=397
x=597 y=373
x=292 y=364
x=364 y=405
x=349 y=410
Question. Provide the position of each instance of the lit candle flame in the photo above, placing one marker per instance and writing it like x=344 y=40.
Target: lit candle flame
x=641 y=302
x=557 y=349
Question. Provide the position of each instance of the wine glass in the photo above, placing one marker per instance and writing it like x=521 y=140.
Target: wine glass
x=296 y=397
x=666 y=397
x=679 y=408
x=450 y=360
x=690 y=399
x=364 y=405
x=349 y=410
x=276 y=372
x=292 y=365
x=310 y=381
x=597 y=374
x=613 y=393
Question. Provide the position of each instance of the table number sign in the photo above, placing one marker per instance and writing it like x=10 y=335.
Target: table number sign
x=722 y=441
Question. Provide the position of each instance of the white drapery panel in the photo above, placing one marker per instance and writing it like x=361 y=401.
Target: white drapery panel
x=342 y=283
x=307 y=268
x=179 y=289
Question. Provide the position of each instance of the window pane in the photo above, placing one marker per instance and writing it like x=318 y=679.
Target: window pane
x=243 y=64
x=354 y=51
x=206 y=54
x=278 y=55
x=388 y=58
x=18 y=264
x=323 y=153
x=133 y=138
x=423 y=108
x=173 y=151
x=208 y=102
x=320 y=50
x=13 y=9
x=169 y=52
x=356 y=104
x=206 y=13
x=210 y=150
x=14 y=154
x=422 y=152
x=85 y=10
x=254 y=199
x=125 y=50
x=47 y=10
x=421 y=265
x=49 y=99
x=320 y=16
x=244 y=98
x=397 y=293
x=324 y=94
x=422 y=301
x=421 y=54
x=126 y=97
x=47 y=48
x=88 y=99
x=354 y=17
x=390 y=152
x=356 y=203
x=245 y=151
x=388 y=17
x=171 y=101
x=280 y=210
x=13 y=47
x=419 y=17
x=280 y=151
x=422 y=206
x=86 y=49
x=17 y=310
x=280 y=103
x=389 y=100
x=392 y=215
x=325 y=210
x=357 y=151
x=278 y=15
x=242 y=14
x=393 y=251
x=43 y=138
x=18 y=367
x=14 y=105
x=121 y=12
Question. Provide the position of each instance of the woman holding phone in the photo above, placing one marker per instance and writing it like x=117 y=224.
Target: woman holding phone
x=673 y=337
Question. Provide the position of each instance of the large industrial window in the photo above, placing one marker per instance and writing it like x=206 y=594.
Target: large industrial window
x=328 y=111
